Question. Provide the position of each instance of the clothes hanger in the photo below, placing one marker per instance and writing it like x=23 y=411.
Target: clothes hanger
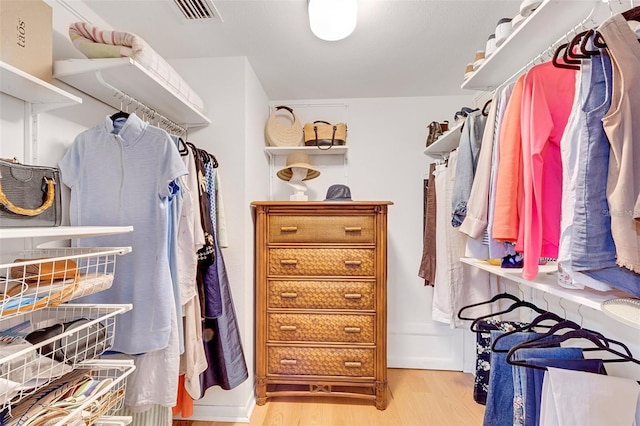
x=556 y=63
x=519 y=304
x=601 y=342
x=632 y=14
x=560 y=325
x=214 y=161
x=495 y=298
x=546 y=316
x=182 y=147
x=485 y=111
x=567 y=56
x=573 y=50
x=119 y=114
x=583 y=44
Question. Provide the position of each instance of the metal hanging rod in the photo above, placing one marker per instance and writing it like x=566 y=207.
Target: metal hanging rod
x=148 y=114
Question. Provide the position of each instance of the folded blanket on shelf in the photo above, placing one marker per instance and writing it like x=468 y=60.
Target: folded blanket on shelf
x=96 y=43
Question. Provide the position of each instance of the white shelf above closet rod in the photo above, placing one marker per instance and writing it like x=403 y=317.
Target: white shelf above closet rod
x=543 y=28
x=131 y=78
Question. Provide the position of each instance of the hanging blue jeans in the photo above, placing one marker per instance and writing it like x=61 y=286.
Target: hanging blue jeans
x=499 y=409
x=593 y=251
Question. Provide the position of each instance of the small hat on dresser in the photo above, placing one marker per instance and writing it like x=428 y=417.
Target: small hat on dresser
x=338 y=193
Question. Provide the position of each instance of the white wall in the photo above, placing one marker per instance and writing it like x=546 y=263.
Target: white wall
x=238 y=108
x=386 y=137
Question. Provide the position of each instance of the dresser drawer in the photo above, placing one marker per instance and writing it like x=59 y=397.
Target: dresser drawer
x=321 y=361
x=322 y=262
x=321 y=294
x=325 y=229
x=338 y=328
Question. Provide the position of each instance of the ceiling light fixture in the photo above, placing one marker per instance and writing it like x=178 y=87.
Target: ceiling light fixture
x=333 y=20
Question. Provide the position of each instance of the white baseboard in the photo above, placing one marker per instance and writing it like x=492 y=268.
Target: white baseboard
x=222 y=413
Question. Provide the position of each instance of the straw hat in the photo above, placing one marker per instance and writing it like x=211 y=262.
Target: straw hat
x=298 y=159
x=278 y=134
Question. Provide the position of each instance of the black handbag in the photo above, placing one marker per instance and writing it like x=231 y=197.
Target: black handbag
x=29 y=195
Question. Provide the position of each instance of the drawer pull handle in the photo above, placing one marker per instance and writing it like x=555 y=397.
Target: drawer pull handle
x=352 y=364
x=288 y=328
x=352 y=329
x=288 y=228
x=353 y=296
x=353 y=262
x=288 y=262
x=288 y=362
x=352 y=228
x=288 y=295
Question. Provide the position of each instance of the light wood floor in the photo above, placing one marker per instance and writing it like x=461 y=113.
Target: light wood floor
x=418 y=398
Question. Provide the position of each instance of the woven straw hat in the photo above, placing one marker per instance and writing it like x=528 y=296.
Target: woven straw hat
x=298 y=159
x=278 y=134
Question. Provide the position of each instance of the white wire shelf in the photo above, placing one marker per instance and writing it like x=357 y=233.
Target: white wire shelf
x=62 y=232
x=89 y=395
x=50 y=276
x=547 y=282
x=40 y=347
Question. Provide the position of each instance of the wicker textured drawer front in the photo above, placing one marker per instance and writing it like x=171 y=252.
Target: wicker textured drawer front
x=325 y=229
x=322 y=294
x=337 y=328
x=322 y=262
x=321 y=361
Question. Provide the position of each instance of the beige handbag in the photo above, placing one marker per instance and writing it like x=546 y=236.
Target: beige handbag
x=278 y=134
x=324 y=134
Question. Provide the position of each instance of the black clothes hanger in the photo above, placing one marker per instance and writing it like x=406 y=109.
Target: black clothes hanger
x=583 y=44
x=214 y=160
x=572 y=325
x=546 y=316
x=119 y=114
x=573 y=51
x=495 y=298
x=519 y=304
x=598 y=41
x=601 y=342
x=632 y=14
x=556 y=63
x=485 y=111
x=182 y=147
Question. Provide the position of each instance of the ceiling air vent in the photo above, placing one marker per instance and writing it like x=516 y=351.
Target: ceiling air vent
x=197 y=9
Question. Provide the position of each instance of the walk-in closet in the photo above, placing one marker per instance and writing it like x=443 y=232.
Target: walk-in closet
x=319 y=212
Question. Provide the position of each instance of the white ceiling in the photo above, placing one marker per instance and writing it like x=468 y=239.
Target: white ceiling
x=399 y=48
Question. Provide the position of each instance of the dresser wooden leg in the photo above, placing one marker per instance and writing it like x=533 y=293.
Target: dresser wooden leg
x=381 y=395
x=261 y=390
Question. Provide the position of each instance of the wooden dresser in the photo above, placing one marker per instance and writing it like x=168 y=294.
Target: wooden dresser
x=321 y=321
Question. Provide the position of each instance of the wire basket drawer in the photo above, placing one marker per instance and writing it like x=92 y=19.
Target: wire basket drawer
x=94 y=390
x=49 y=277
x=43 y=345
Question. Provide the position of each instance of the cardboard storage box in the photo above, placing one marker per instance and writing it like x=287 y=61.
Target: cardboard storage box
x=26 y=29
